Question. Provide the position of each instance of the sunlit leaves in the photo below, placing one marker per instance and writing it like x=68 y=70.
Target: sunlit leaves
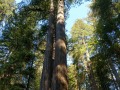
x=6 y=8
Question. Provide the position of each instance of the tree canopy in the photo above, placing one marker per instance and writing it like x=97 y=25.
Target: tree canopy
x=34 y=46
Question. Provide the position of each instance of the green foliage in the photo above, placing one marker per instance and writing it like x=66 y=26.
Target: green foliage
x=6 y=8
x=80 y=42
x=72 y=78
x=107 y=37
x=21 y=38
x=23 y=42
x=81 y=32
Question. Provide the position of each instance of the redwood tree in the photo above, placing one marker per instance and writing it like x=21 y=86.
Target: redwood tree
x=48 y=61
x=60 y=69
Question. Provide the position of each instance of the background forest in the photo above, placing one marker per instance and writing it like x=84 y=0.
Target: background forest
x=34 y=46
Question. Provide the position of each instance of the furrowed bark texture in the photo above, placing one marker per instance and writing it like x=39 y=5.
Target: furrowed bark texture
x=60 y=65
x=48 y=61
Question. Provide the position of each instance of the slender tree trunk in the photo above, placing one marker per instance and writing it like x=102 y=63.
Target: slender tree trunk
x=42 y=78
x=89 y=69
x=28 y=83
x=114 y=72
x=60 y=81
x=92 y=78
x=112 y=75
x=78 y=78
x=48 y=61
x=29 y=76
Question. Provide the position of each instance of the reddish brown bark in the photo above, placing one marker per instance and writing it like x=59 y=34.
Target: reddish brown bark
x=46 y=78
x=60 y=64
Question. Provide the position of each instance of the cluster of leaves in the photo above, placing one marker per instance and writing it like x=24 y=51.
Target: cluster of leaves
x=102 y=40
x=107 y=34
x=6 y=8
x=81 y=49
x=20 y=53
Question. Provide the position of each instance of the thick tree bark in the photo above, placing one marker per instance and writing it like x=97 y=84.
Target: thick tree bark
x=60 y=65
x=92 y=78
x=48 y=61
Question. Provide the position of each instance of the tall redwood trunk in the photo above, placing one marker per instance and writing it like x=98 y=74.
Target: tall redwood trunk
x=60 y=64
x=46 y=78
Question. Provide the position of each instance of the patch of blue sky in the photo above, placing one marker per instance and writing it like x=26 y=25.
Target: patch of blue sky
x=18 y=1
x=76 y=13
